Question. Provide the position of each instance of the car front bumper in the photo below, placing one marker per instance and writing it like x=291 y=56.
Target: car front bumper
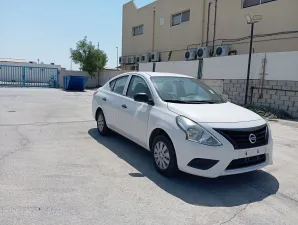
x=224 y=159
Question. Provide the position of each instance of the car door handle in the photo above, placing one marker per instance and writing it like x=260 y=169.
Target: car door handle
x=124 y=106
x=104 y=99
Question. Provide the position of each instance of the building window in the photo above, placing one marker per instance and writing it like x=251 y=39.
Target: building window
x=180 y=18
x=137 y=30
x=249 y=3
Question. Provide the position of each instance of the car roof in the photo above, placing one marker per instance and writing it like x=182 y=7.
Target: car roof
x=151 y=74
x=162 y=74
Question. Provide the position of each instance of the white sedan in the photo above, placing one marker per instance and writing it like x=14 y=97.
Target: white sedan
x=184 y=123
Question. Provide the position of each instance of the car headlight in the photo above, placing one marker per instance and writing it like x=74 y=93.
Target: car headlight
x=195 y=133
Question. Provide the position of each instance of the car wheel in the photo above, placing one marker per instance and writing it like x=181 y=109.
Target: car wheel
x=164 y=156
x=101 y=124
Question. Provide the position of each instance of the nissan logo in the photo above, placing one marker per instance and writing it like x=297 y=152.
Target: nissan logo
x=252 y=138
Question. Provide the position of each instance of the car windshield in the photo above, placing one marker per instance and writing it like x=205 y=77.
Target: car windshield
x=185 y=90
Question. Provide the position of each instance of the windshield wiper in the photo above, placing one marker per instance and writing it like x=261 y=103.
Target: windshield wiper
x=176 y=101
x=192 y=102
x=202 y=102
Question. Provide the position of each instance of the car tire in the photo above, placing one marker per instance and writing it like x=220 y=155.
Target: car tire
x=164 y=156
x=101 y=124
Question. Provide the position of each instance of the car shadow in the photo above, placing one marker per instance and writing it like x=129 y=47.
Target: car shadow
x=225 y=191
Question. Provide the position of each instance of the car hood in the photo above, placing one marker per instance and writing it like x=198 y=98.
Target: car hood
x=214 y=113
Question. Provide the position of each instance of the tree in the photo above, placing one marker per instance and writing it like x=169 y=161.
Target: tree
x=88 y=57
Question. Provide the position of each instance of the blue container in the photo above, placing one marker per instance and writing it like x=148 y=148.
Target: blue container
x=75 y=83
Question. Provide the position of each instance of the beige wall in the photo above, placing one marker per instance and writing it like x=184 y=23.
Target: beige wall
x=278 y=16
x=189 y=68
x=277 y=66
x=167 y=38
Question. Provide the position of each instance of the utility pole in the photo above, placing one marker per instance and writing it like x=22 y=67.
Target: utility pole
x=153 y=33
x=249 y=61
x=117 y=58
x=251 y=21
x=98 y=65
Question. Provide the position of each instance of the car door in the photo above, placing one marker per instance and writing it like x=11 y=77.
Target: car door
x=113 y=101
x=133 y=116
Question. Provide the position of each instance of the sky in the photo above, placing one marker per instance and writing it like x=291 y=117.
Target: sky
x=46 y=30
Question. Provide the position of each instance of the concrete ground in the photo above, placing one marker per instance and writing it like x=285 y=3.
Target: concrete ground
x=56 y=169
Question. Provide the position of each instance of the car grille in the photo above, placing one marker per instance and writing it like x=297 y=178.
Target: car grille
x=246 y=162
x=240 y=138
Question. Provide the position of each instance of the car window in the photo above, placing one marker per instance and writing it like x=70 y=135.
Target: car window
x=112 y=84
x=192 y=89
x=184 y=89
x=120 y=85
x=137 y=85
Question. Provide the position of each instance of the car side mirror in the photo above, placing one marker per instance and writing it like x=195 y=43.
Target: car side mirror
x=141 y=97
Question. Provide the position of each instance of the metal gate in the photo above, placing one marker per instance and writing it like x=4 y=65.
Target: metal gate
x=25 y=76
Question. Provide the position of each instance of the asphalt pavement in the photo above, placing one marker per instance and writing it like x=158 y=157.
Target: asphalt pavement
x=56 y=169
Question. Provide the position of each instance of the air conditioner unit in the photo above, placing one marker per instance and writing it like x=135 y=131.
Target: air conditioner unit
x=124 y=59
x=146 y=58
x=222 y=50
x=120 y=60
x=203 y=52
x=155 y=57
x=131 y=59
x=138 y=58
x=191 y=54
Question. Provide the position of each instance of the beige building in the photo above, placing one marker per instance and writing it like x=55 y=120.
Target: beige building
x=173 y=26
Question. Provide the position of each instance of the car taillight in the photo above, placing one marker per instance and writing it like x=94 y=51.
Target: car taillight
x=95 y=93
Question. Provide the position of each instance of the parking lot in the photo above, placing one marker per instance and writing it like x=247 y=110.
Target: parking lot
x=56 y=169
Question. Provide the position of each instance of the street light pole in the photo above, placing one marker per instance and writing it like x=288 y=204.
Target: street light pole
x=117 y=58
x=98 y=65
x=251 y=21
x=249 y=62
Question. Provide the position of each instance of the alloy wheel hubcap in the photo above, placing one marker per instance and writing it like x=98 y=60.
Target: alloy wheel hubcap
x=161 y=155
x=100 y=122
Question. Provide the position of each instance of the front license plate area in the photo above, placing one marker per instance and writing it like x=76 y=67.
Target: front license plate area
x=251 y=152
